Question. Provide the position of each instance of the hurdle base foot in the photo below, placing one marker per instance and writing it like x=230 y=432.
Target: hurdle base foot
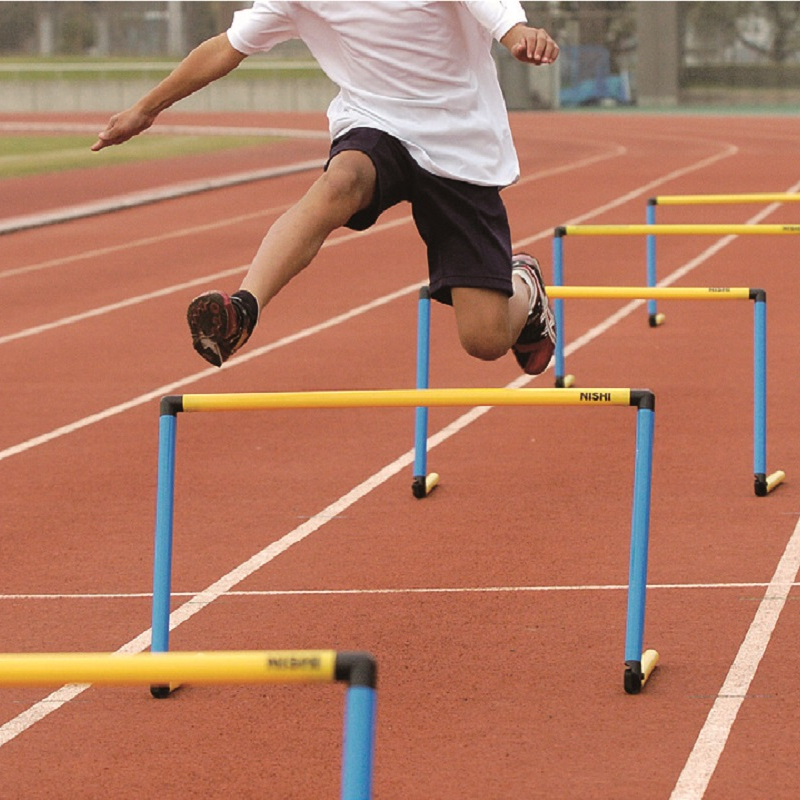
x=655 y=320
x=423 y=485
x=764 y=484
x=638 y=672
x=564 y=381
x=162 y=691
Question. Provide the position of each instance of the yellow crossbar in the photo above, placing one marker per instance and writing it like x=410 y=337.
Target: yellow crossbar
x=713 y=199
x=645 y=292
x=685 y=229
x=387 y=398
x=123 y=669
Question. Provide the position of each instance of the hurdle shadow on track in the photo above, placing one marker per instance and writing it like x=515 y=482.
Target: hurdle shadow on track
x=164 y=670
x=639 y=663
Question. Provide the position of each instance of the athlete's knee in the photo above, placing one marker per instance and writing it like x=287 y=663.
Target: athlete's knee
x=350 y=179
x=482 y=321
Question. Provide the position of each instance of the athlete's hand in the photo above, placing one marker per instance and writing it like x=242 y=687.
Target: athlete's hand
x=123 y=126
x=531 y=45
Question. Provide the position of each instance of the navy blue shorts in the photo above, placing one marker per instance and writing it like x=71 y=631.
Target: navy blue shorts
x=464 y=226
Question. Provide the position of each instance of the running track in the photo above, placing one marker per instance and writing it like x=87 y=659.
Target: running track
x=495 y=607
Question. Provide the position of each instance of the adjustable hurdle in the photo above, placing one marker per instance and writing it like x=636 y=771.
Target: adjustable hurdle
x=763 y=482
x=650 y=230
x=639 y=664
x=655 y=318
x=357 y=669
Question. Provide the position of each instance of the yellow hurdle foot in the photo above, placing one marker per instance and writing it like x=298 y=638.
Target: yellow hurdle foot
x=765 y=484
x=565 y=382
x=160 y=692
x=649 y=662
x=776 y=479
x=422 y=487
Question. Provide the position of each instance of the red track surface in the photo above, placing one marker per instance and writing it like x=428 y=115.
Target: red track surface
x=495 y=607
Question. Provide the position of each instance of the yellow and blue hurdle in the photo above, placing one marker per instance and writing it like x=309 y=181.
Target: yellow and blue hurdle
x=357 y=669
x=639 y=664
x=763 y=482
x=656 y=318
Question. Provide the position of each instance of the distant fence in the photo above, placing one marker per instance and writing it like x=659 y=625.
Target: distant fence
x=741 y=85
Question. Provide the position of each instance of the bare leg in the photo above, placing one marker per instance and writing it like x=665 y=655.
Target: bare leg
x=489 y=322
x=292 y=242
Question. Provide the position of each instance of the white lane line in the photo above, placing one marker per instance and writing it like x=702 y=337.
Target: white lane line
x=612 y=152
x=589 y=587
x=166 y=291
x=55 y=700
x=729 y=151
x=173 y=289
x=39 y=710
x=142 y=242
x=135 y=199
x=175 y=386
x=702 y=762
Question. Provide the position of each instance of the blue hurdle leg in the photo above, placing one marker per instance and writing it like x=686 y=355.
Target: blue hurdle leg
x=359 y=743
x=763 y=483
x=654 y=317
x=759 y=390
x=558 y=307
x=162 y=562
x=422 y=483
x=652 y=311
x=640 y=533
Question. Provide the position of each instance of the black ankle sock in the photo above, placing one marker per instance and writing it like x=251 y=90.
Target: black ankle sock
x=250 y=305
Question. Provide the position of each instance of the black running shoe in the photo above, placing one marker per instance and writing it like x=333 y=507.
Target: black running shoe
x=537 y=341
x=220 y=325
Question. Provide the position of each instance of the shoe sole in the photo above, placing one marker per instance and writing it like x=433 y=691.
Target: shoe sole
x=207 y=318
x=536 y=360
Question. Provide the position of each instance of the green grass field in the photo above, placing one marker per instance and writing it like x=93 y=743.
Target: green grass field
x=79 y=68
x=36 y=153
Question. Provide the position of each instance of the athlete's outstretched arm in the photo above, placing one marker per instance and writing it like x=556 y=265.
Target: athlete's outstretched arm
x=211 y=60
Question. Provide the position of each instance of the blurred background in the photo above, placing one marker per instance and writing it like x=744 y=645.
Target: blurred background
x=101 y=56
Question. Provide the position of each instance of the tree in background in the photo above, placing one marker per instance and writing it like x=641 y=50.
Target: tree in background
x=767 y=29
x=103 y=27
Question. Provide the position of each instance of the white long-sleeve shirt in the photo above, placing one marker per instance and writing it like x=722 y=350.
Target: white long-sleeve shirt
x=420 y=71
